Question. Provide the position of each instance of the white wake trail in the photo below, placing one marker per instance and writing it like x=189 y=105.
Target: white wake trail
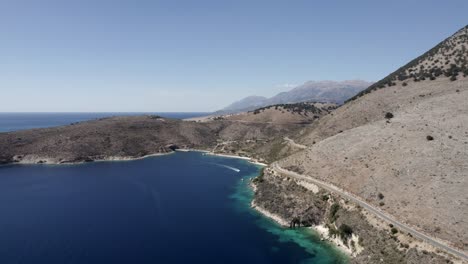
x=225 y=166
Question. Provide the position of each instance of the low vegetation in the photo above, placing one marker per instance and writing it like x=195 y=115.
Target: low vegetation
x=388 y=115
x=333 y=210
x=297 y=108
x=447 y=59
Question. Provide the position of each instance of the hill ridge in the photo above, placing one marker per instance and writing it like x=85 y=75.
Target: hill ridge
x=401 y=73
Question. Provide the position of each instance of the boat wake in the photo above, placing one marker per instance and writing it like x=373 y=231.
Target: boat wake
x=226 y=166
x=231 y=168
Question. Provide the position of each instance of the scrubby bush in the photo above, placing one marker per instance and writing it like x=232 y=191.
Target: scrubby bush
x=430 y=138
x=259 y=178
x=381 y=196
x=333 y=210
x=394 y=230
x=345 y=231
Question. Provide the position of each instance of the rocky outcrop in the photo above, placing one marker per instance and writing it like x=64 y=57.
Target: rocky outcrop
x=289 y=200
x=337 y=220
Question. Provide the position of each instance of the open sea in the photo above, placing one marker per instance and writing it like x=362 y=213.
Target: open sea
x=20 y=121
x=177 y=208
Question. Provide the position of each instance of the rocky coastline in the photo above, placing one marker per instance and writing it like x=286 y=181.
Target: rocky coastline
x=338 y=221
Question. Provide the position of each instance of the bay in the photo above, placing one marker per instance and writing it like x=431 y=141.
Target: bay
x=177 y=208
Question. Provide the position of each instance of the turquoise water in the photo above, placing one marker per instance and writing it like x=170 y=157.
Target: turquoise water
x=177 y=208
x=319 y=252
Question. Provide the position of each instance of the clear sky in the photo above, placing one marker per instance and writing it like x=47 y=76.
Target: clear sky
x=113 y=55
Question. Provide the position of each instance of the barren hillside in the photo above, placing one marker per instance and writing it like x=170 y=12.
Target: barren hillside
x=299 y=113
x=106 y=138
x=260 y=133
x=253 y=134
x=403 y=144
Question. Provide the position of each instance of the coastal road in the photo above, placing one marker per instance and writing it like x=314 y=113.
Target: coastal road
x=376 y=211
x=294 y=144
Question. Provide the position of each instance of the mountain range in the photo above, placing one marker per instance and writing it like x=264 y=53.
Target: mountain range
x=312 y=91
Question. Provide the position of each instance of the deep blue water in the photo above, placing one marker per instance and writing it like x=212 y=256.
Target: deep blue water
x=20 y=121
x=178 y=208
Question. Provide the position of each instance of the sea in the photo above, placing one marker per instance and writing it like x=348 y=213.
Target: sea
x=185 y=207
x=20 y=121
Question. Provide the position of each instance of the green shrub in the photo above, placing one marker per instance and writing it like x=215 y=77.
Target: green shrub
x=333 y=210
x=259 y=178
x=345 y=231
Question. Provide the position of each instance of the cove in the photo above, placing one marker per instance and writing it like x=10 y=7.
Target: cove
x=177 y=208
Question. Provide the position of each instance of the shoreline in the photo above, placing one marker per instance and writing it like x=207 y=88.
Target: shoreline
x=54 y=161
x=265 y=213
x=33 y=159
x=321 y=230
x=251 y=160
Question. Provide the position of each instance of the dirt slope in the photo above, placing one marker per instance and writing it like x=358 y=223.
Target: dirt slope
x=417 y=160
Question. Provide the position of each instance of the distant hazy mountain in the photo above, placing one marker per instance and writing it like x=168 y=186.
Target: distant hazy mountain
x=312 y=91
x=248 y=103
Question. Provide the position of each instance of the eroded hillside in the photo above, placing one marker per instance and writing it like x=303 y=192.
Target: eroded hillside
x=403 y=144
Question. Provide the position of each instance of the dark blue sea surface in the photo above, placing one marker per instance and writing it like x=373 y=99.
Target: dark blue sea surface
x=20 y=121
x=177 y=208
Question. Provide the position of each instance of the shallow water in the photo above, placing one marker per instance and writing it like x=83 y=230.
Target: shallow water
x=178 y=208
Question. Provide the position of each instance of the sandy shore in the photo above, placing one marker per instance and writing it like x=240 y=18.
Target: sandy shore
x=115 y=158
x=251 y=160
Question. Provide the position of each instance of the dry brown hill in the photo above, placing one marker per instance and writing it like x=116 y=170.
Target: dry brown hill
x=254 y=134
x=299 y=113
x=406 y=137
x=260 y=133
x=106 y=138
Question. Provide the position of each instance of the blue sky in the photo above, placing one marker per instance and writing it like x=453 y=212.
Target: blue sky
x=202 y=55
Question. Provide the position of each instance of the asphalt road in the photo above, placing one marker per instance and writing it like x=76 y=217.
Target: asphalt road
x=432 y=241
